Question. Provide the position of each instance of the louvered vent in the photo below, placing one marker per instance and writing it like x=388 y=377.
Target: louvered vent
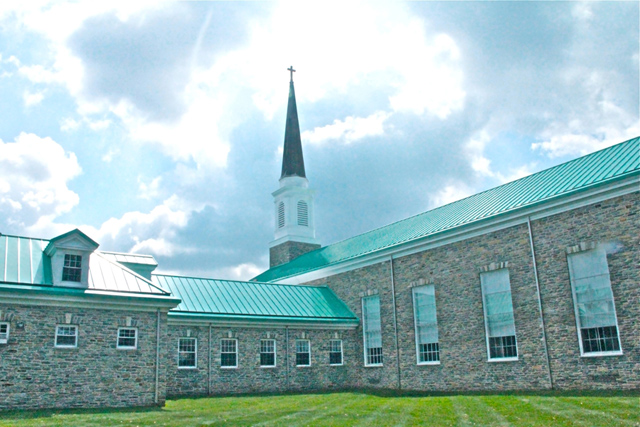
x=303 y=214
x=280 y=215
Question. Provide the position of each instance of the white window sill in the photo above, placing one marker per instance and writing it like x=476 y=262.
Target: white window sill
x=228 y=367
x=66 y=346
x=378 y=365
x=503 y=359
x=428 y=363
x=126 y=348
x=188 y=367
x=268 y=366
x=303 y=366
x=602 y=354
x=336 y=364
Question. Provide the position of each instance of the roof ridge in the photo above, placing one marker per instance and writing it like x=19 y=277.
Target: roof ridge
x=249 y=282
x=126 y=253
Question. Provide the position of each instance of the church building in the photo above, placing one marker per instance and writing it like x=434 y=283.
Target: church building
x=532 y=285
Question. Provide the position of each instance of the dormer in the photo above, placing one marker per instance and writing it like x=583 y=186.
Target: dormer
x=69 y=255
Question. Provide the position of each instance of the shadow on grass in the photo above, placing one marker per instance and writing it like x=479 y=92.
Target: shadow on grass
x=411 y=393
x=26 y=414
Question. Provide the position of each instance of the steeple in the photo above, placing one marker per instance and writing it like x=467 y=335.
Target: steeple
x=292 y=160
x=294 y=225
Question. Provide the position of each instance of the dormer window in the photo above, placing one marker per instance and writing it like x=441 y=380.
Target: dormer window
x=72 y=269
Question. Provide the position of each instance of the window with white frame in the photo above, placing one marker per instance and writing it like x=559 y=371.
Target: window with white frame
x=593 y=301
x=372 y=330
x=267 y=353
x=335 y=352
x=498 y=315
x=127 y=338
x=228 y=353
x=280 y=214
x=4 y=332
x=426 y=325
x=303 y=353
x=303 y=213
x=66 y=336
x=187 y=353
x=72 y=268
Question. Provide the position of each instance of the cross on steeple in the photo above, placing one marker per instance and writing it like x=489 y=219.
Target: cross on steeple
x=291 y=70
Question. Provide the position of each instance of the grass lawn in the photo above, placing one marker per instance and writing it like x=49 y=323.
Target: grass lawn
x=355 y=409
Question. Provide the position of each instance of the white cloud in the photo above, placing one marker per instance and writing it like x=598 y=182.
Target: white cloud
x=348 y=130
x=150 y=190
x=450 y=193
x=69 y=125
x=33 y=183
x=31 y=99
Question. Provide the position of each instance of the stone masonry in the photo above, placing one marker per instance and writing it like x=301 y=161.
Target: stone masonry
x=288 y=251
x=36 y=374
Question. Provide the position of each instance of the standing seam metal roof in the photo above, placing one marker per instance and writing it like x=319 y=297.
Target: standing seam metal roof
x=235 y=298
x=613 y=163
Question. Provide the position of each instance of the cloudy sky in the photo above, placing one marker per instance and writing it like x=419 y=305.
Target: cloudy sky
x=158 y=127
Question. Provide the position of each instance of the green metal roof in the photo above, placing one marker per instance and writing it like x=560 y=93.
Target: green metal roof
x=237 y=300
x=613 y=163
x=23 y=261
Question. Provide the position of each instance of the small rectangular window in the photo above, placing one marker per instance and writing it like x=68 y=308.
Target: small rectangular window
x=72 y=269
x=66 y=336
x=127 y=338
x=303 y=353
x=498 y=315
x=426 y=324
x=187 y=353
x=593 y=302
x=267 y=353
x=229 y=353
x=335 y=352
x=372 y=329
x=4 y=333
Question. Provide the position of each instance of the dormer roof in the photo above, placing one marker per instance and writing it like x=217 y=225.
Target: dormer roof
x=74 y=239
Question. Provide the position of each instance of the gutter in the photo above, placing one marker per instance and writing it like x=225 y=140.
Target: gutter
x=157 y=356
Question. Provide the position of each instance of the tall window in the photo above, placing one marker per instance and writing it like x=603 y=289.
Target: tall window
x=335 y=352
x=372 y=329
x=303 y=213
x=303 y=353
x=187 y=353
x=127 y=338
x=280 y=214
x=72 y=269
x=229 y=353
x=4 y=333
x=424 y=310
x=66 y=336
x=267 y=353
x=498 y=315
x=593 y=302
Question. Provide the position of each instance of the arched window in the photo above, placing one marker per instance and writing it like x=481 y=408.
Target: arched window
x=280 y=214
x=303 y=213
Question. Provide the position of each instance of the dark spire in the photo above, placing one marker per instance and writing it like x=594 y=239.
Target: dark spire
x=292 y=160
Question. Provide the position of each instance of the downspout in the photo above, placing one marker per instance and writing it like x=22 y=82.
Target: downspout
x=286 y=353
x=157 y=356
x=544 y=333
x=395 y=323
x=209 y=359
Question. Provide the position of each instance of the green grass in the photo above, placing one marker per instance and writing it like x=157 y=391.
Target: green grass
x=356 y=409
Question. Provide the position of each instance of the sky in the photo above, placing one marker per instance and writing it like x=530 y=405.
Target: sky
x=157 y=127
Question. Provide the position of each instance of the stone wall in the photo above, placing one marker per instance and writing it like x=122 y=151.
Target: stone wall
x=615 y=223
x=287 y=251
x=36 y=374
x=454 y=270
x=249 y=376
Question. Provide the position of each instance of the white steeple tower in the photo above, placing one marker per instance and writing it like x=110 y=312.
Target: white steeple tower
x=294 y=225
